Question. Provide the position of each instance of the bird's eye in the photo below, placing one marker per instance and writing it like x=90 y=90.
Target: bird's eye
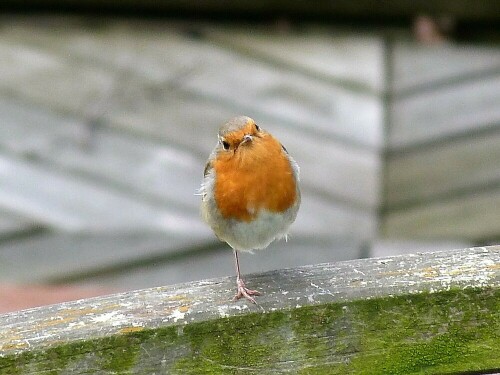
x=225 y=145
x=257 y=127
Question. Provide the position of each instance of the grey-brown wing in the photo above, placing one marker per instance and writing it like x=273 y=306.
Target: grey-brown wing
x=208 y=168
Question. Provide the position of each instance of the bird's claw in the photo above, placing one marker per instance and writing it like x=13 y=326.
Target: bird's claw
x=243 y=291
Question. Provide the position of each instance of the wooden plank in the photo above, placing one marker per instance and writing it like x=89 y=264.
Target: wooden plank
x=472 y=217
x=461 y=108
x=171 y=176
x=143 y=167
x=48 y=70
x=419 y=67
x=40 y=259
x=75 y=204
x=171 y=173
x=218 y=263
x=336 y=57
x=321 y=216
x=390 y=247
x=282 y=94
x=145 y=68
x=177 y=115
x=12 y=225
x=424 y=174
x=419 y=313
x=137 y=257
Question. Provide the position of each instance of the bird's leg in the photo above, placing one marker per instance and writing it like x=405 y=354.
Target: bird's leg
x=243 y=291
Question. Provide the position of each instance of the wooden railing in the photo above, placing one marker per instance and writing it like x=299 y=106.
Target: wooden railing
x=426 y=313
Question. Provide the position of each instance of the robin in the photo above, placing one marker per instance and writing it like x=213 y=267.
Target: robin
x=250 y=190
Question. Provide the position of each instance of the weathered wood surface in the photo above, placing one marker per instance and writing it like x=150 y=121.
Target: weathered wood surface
x=12 y=225
x=464 y=107
x=393 y=247
x=75 y=204
x=413 y=314
x=334 y=57
x=417 y=68
x=219 y=262
x=106 y=125
x=127 y=131
x=466 y=216
x=127 y=261
x=442 y=161
x=50 y=257
x=436 y=172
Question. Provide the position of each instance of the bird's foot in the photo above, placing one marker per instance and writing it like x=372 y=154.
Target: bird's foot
x=243 y=291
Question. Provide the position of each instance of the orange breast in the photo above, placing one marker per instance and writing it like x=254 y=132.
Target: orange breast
x=257 y=176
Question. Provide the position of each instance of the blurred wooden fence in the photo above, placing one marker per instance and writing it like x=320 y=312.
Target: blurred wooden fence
x=106 y=124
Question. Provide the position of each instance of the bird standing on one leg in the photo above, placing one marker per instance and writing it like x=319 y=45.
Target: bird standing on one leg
x=250 y=191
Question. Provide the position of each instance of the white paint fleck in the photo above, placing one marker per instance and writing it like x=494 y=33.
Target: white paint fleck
x=177 y=314
x=223 y=311
x=321 y=289
x=238 y=307
x=204 y=282
x=285 y=292
x=119 y=320
x=358 y=271
x=76 y=324
x=105 y=317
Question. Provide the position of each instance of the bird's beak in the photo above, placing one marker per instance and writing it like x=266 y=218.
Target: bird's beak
x=247 y=138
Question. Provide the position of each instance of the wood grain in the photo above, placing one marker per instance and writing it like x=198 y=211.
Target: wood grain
x=472 y=217
x=440 y=171
x=419 y=313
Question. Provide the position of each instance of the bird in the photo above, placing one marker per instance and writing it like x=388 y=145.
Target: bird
x=250 y=191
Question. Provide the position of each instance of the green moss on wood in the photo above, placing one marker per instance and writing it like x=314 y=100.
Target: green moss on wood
x=445 y=332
